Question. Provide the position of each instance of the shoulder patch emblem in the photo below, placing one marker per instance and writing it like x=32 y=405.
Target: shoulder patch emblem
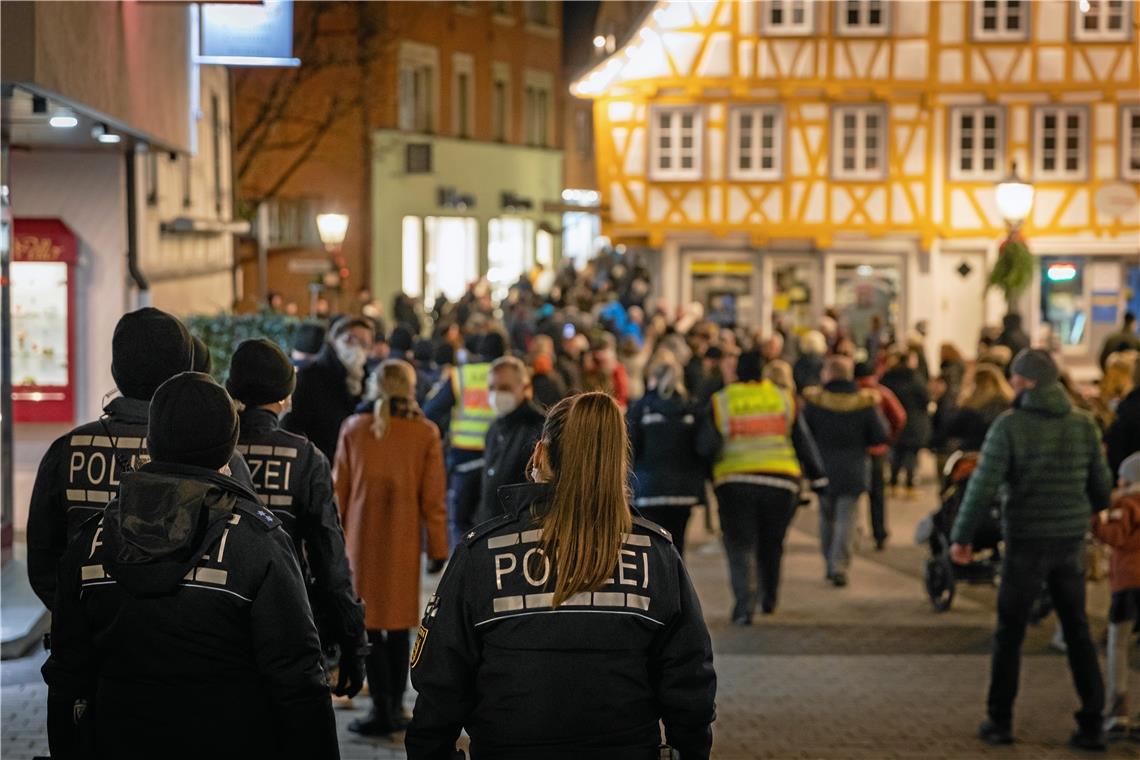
x=418 y=647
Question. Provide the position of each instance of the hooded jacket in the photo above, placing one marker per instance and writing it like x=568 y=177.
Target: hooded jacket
x=667 y=469
x=182 y=622
x=910 y=389
x=1120 y=529
x=846 y=422
x=592 y=680
x=1050 y=456
x=79 y=475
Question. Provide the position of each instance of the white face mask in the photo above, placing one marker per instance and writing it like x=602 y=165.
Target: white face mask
x=351 y=356
x=502 y=402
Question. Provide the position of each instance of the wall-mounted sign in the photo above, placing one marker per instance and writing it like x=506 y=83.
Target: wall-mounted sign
x=258 y=34
x=43 y=321
x=1116 y=199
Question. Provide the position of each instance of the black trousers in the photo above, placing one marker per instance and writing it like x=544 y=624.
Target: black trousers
x=1025 y=566
x=464 y=490
x=387 y=668
x=673 y=519
x=903 y=459
x=754 y=520
x=878 y=497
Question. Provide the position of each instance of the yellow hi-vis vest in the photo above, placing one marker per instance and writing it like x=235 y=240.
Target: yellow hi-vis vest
x=472 y=414
x=755 y=421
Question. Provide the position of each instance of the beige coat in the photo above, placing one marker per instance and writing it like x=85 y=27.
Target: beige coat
x=390 y=492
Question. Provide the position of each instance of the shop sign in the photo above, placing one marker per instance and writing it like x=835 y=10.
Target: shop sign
x=1116 y=199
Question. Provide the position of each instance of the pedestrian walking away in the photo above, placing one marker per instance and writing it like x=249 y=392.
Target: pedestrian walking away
x=848 y=422
x=894 y=416
x=1049 y=457
x=567 y=628
x=760 y=448
x=181 y=614
x=668 y=473
x=81 y=471
x=389 y=482
x=902 y=378
x=294 y=481
x=512 y=436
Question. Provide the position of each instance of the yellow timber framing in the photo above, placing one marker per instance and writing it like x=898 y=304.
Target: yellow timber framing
x=808 y=76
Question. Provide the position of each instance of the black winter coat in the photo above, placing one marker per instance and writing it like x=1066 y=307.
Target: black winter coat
x=79 y=475
x=667 y=470
x=182 y=620
x=592 y=680
x=807 y=370
x=968 y=427
x=294 y=480
x=510 y=442
x=321 y=402
x=912 y=393
x=846 y=422
x=1123 y=436
x=549 y=389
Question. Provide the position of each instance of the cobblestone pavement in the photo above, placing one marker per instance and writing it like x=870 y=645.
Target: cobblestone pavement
x=869 y=671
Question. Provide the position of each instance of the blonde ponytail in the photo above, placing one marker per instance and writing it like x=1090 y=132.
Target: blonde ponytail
x=589 y=516
x=396 y=380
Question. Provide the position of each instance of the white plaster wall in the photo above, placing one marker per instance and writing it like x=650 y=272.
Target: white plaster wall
x=85 y=191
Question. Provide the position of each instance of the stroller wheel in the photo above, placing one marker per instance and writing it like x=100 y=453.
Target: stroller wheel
x=939 y=581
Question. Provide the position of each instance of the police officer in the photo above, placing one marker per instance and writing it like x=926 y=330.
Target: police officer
x=567 y=628
x=461 y=406
x=80 y=472
x=293 y=479
x=182 y=627
x=760 y=448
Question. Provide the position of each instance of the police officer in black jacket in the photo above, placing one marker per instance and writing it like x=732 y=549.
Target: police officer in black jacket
x=294 y=481
x=513 y=434
x=567 y=628
x=81 y=471
x=182 y=627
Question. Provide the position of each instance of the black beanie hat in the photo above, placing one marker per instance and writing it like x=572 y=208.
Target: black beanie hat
x=492 y=346
x=147 y=348
x=864 y=369
x=401 y=340
x=192 y=421
x=310 y=337
x=750 y=366
x=260 y=373
x=1036 y=365
x=202 y=360
x=422 y=351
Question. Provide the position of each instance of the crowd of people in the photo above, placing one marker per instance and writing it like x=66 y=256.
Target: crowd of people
x=508 y=443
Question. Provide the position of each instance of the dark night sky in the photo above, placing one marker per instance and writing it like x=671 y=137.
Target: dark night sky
x=578 y=32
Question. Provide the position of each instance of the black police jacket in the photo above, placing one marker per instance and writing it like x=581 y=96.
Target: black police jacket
x=667 y=470
x=510 y=442
x=79 y=475
x=182 y=629
x=293 y=479
x=589 y=680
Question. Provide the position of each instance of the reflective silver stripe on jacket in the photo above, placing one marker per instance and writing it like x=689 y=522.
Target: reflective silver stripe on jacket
x=760 y=480
x=666 y=501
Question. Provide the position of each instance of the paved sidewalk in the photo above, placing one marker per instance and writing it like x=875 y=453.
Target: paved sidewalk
x=865 y=672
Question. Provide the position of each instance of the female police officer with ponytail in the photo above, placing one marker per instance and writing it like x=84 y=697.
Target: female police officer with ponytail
x=568 y=627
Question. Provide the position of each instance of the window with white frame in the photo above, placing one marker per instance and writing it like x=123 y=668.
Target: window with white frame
x=1060 y=142
x=537 y=102
x=788 y=17
x=861 y=18
x=500 y=102
x=1105 y=20
x=1001 y=19
x=977 y=147
x=859 y=142
x=462 y=94
x=418 y=87
x=675 y=143
x=755 y=142
x=1130 y=142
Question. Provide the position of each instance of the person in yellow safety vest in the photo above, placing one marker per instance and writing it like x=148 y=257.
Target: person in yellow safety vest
x=761 y=448
x=460 y=408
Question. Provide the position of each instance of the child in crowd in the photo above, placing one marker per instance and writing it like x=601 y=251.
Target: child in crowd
x=1119 y=528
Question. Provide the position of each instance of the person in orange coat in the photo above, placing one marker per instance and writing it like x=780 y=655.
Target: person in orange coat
x=390 y=484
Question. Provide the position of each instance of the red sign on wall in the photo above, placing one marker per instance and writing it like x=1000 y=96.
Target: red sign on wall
x=44 y=253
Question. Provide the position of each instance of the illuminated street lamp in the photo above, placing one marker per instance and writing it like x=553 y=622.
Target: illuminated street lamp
x=1014 y=198
x=332 y=229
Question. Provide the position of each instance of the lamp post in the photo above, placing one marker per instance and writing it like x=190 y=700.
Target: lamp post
x=332 y=229
x=1013 y=271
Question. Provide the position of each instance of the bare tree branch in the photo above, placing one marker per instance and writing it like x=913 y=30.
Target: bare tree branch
x=337 y=108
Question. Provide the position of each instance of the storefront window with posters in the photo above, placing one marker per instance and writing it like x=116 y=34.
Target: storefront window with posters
x=43 y=325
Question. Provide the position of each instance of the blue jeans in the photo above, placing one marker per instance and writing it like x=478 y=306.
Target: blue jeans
x=835 y=535
x=1027 y=564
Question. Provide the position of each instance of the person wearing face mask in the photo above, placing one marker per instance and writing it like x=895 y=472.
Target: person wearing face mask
x=329 y=388
x=294 y=480
x=513 y=434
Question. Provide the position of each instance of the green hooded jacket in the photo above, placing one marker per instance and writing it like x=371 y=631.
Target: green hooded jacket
x=1051 y=457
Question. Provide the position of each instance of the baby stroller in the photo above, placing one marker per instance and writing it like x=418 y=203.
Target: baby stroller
x=941 y=575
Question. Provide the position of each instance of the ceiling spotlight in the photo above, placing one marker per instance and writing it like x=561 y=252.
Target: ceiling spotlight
x=104 y=135
x=63 y=120
x=599 y=41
